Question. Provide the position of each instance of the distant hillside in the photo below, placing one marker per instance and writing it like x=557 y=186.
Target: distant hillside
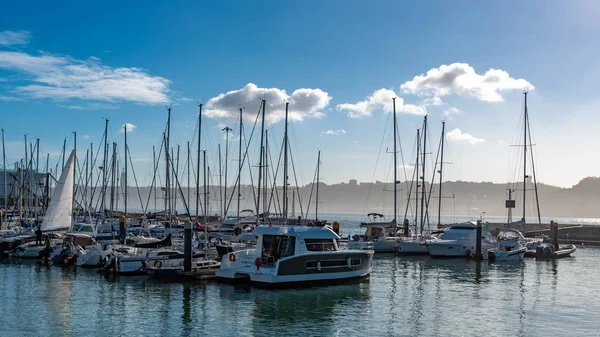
x=458 y=198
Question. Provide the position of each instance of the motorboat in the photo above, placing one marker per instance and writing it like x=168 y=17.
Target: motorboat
x=202 y=268
x=295 y=255
x=379 y=236
x=459 y=241
x=547 y=251
x=135 y=262
x=510 y=247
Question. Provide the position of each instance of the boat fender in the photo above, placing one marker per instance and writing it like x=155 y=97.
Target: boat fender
x=258 y=263
x=231 y=257
x=158 y=264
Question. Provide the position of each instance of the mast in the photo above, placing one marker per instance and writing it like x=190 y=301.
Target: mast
x=155 y=167
x=285 y=166
x=4 y=169
x=417 y=180
x=73 y=204
x=188 y=173
x=47 y=187
x=524 y=155
x=175 y=179
x=441 y=167
x=423 y=170
x=113 y=173
x=205 y=204
x=198 y=165
x=266 y=205
x=239 y=168
x=260 y=164
x=318 y=172
x=91 y=170
x=226 y=129
x=37 y=170
x=125 y=182
x=104 y=168
x=167 y=171
x=395 y=171
x=221 y=184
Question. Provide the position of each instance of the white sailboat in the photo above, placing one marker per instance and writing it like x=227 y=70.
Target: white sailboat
x=59 y=214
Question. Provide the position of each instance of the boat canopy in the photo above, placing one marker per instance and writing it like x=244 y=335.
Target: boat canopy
x=376 y=215
x=382 y=225
x=297 y=231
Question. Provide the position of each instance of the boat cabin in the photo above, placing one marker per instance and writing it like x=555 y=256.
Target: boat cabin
x=278 y=242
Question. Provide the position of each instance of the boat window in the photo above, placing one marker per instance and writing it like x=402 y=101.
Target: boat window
x=272 y=246
x=291 y=246
x=320 y=245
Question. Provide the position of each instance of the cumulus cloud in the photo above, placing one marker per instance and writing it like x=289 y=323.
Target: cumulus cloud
x=333 y=132
x=435 y=101
x=380 y=100
x=63 y=78
x=459 y=136
x=128 y=126
x=304 y=103
x=451 y=111
x=14 y=38
x=461 y=79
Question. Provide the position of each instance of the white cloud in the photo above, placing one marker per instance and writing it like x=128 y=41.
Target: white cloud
x=436 y=101
x=461 y=79
x=459 y=136
x=14 y=38
x=333 y=132
x=130 y=127
x=451 y=111
x=87 y=136
x=380 y=99
x=63 y=77
x=304 y=103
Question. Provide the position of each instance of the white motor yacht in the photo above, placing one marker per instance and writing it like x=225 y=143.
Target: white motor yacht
x=460 y=240
x=288 y=255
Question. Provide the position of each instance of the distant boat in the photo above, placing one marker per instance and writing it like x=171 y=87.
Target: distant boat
x=460 y=241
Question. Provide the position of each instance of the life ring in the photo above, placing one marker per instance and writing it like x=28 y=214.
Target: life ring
x=258 y=263
x=158 y=264
x=231 y=257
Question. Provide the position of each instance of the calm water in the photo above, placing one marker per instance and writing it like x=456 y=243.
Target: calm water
x=403 y=297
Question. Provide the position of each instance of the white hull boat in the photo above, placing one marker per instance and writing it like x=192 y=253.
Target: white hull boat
x=287 y=256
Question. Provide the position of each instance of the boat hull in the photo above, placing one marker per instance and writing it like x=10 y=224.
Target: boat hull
x=305 y=269
x=413 y=247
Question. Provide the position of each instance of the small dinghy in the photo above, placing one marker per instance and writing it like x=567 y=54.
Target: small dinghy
x=547 y=251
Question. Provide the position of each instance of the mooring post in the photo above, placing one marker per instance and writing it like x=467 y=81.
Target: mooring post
x=554 y=233
x=122 y=229
x=478 y=255
x=187 y=258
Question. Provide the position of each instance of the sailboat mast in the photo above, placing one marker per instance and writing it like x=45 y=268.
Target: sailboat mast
x=205 y=204
x=167 y=170
x=226 y=129
x=417 y=179
x=395 y=171
x=221 y=183
x=125 y=182
x=524 y=154
x=423 y=174
x=317 y=198
x=104 y=168
x=239 y=167
x=37 y=170
x=198 y=164
x=285 y=166
x=4 y=169
x=188 y=173
x=441 y=175
x=260 y=163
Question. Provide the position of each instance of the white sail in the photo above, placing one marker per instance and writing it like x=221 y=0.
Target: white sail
x=60 y=209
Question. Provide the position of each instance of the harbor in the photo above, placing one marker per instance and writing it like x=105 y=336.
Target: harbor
x=405 y=296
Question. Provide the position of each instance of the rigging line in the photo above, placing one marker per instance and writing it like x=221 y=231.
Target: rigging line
x=537 y=201
x=437 y=158
x=412 y=181
x=275 y=173
x=181 y=193
x=376 y=163
x=296 y=180
x=311 y=191
x=135 y=179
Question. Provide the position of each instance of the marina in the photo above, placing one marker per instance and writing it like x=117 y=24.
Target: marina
x=404 y=296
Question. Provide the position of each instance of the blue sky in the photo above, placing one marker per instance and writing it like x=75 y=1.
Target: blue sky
x=67 y=67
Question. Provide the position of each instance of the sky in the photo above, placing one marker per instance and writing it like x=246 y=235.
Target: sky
x=67 y=67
